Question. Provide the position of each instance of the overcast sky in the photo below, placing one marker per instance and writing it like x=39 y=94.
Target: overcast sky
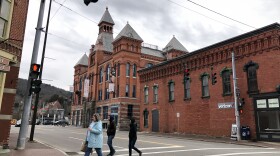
x=73 y=29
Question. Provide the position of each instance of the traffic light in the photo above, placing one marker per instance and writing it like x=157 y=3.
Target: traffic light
x=35 y=68
x=35 y=86
x=214 y=78
x=187 y=73
x=240 y=105
x=34 y=75
x=88 y=1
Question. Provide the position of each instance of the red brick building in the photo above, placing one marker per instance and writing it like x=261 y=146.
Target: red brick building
x=12 y=26
x=171 y=102
x=125 y=55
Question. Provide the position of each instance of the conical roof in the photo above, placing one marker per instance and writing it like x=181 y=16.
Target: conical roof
x=129 y=32
x=174 y=44
x=106 y=18
x=83 y=61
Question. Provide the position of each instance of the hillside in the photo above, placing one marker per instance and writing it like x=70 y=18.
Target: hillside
x=46 y=94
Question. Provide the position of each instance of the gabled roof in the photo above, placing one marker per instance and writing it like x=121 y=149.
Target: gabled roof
x=83 y=61
x=174 y=44
x=106 y=18
x=129 y=32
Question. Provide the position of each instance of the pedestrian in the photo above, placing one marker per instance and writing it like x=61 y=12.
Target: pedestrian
x=94 y=136
x=111 y=132
x=133 y=137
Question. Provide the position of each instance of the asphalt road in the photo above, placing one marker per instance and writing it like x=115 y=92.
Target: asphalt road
x=69 y=140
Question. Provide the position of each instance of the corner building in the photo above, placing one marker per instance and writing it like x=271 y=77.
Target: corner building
x=125 y=55
x=13 y=16
x=171 y=102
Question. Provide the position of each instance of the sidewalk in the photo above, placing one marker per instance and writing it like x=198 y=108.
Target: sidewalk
x=215 y=139
x=32 y=148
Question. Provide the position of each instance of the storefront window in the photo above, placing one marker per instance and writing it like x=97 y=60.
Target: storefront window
x=269 y=121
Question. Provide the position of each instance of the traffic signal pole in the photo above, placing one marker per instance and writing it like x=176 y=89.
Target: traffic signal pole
x=40 y=77
x=27 y=98
x=237 y=117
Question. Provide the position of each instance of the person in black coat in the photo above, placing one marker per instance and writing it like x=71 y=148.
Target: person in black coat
x=111 y=132
x=133 y=137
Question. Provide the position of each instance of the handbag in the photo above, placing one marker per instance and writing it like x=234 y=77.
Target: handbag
x=84 y=146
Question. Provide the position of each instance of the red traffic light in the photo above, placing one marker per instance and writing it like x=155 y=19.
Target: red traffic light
x=35 y=67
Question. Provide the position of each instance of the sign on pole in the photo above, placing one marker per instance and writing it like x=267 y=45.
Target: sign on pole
x=86 y=88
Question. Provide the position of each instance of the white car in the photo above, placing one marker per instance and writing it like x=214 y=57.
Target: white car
x=18 y=123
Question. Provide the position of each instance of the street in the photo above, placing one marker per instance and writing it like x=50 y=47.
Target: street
x=69 y=140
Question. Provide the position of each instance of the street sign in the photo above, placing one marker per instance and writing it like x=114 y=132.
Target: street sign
x=178 y=115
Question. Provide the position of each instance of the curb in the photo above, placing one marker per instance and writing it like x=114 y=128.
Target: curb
x=51 y=147
x=246 y=143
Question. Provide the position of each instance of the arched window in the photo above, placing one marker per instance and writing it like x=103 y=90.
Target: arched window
x=134 y=70
x=127 y=69
x=146 y=94
x=171 y=85
x=225 y=73
x=205 y=84
x=132 y=48
x=187 y=88
x=155 y=89
x=101 y=75
x=108 y=70
x=251 y=69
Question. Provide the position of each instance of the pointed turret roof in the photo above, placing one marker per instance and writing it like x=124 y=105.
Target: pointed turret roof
x=174 y=44
x=106 y=18
x=83 y=61
x=129 y=32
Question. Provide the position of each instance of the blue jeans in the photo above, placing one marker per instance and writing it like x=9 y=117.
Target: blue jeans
x=88 y=151
x=110 y=143
x=98 y=151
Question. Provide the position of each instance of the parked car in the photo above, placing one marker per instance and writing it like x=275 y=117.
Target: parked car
x=18 y=123
x=48 y=122
x=62 y=122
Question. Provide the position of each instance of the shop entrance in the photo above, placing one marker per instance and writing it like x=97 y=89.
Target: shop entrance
x=268 y=118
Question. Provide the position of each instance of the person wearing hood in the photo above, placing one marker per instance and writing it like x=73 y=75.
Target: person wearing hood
x=133 y=137
x=94 y=136
x=111 y=132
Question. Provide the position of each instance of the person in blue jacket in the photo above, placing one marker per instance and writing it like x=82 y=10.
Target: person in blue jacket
x=94 y=136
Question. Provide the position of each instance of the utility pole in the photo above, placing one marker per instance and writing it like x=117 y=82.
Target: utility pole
x=237 y=117
x=27 y=98
x=40 y=76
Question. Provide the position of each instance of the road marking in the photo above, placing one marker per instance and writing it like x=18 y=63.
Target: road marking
x=199 y=149
x=76 y=138
x=153 y=142
x=149 y=148
x=77 y=133
x=244 y=153
x=51 y=147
